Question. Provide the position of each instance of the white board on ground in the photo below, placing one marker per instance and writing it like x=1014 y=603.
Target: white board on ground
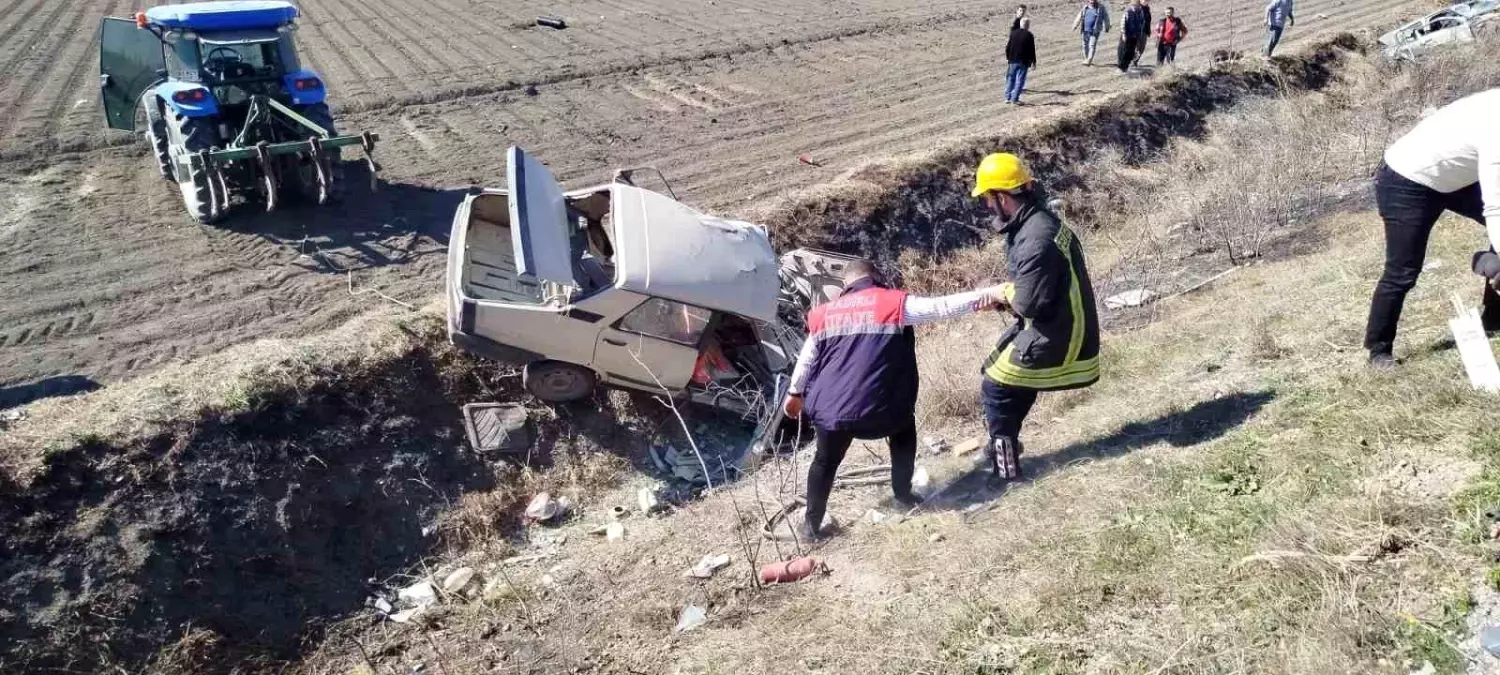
x=1474 y=348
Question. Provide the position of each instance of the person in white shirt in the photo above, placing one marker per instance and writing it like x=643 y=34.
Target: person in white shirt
x=1449 y=162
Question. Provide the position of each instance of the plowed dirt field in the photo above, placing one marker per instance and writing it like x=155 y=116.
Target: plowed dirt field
x=104 y=277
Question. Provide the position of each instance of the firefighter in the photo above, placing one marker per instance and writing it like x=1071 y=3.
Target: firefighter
x=1054 y=344
x=858 y=372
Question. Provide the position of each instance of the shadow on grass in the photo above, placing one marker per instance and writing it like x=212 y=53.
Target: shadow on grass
x=1205 y=421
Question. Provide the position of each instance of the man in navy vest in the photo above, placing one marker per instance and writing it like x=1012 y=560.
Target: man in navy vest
x=858 y=371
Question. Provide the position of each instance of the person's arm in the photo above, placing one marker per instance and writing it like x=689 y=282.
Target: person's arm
x=1041 y=280
x=1181 y=30
x=1104 y=18
x=918 y=310
x=1489 y=184
x=1270 y=7
x=803 y=371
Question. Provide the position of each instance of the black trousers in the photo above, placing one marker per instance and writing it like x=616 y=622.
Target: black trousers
x=1166 y=53
x=831 y=448
x=1005 y=407
x=1409 y=210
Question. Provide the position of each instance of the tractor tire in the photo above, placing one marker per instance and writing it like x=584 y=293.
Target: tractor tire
x=306 y=182
x=192 y=135
x=156 y=135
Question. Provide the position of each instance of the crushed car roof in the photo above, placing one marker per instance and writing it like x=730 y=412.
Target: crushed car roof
x=667 y=249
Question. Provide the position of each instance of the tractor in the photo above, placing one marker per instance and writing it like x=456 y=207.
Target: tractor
x=229 y=111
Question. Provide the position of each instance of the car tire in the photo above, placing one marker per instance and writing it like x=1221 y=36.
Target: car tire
x=558 y=382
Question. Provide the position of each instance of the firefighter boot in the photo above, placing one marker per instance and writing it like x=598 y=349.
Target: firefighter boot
x=1005 y=457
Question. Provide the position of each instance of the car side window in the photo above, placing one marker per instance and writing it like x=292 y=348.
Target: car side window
x=667 y=320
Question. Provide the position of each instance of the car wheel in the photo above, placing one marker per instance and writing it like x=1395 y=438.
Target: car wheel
x=558 y=382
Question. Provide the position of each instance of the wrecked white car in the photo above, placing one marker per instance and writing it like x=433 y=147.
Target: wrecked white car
x=1458 y=23
x=622 y=286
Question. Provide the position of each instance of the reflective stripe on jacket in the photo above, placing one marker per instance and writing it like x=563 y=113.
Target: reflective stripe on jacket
x=1055 y=345
x=865 y=372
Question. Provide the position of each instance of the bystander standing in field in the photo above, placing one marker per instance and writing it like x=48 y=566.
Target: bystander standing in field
x=1144 y=41
x=1169 y=33
x=1091 y=22
x=1020 y=55
x=1020 y=14
x=1133 y=25
x=1278 y=18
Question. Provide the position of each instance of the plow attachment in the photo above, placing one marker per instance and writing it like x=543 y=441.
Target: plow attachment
x=263 y=157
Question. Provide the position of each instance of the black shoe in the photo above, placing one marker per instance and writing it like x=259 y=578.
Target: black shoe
x=1382 y=361
x=910 y=499
x=810 y=533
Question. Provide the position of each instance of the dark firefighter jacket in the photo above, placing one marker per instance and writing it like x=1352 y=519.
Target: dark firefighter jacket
x=1055 y=345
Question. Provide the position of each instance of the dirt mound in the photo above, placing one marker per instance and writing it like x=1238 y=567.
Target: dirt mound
x=925 y=205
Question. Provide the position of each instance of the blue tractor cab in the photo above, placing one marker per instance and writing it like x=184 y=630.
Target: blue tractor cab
x=229 y=110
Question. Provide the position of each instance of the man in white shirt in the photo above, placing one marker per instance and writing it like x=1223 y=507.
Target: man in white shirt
x=1449 y=162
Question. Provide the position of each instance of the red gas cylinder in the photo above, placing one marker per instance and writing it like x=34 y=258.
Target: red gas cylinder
x=789 y=571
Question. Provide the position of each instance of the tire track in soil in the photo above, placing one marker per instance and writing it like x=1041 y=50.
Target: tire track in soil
x=11 y=58
x=417 y=42
x=12 y=102
x=349 y=48
x=322 y=50
x=79 y=78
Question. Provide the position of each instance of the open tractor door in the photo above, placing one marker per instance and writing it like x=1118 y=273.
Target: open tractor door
x=130 y=62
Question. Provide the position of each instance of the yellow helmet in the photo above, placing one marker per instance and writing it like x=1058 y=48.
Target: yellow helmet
x=1000 y=171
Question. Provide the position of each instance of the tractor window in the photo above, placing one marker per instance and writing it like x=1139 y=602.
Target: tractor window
x=667 y=320
x=242 y=61
x=182 y=60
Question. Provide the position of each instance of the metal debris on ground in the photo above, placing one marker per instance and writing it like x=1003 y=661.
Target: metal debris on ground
x=936 y=445
x=543 y=508
x=1489 y=638
x=551 y=22
x=723 y=461
x=382 y=605
x=1131 y=298
x=692 y=617
x=707 y=566
x=497 y=427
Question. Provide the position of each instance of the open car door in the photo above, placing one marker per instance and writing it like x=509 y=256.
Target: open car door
x=130 y=62
x=541 y=230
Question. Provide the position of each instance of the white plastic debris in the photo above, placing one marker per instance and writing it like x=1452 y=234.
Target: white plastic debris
x=542 y=507
x=1131 y=298
x=920 y=478
x=874 y=517
x=459 y=580
x=406 y=615
x=707 y=566
x=383 y=606
x=420 y=594
x=936 y=445
x=648 y=500
x=614 y=531
x=1432 y=265
x=692 y=617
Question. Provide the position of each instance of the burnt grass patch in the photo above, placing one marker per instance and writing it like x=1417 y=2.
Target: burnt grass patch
x=927 y=207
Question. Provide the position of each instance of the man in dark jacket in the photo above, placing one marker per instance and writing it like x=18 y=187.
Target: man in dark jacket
x=858 y=369
x=1169 y=33
x=1020 y=53
x=1055 y=343
x=1133 y=26
x=1144 y=41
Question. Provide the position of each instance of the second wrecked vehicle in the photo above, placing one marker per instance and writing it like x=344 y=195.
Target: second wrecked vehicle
x=616 y=285
x=1457 y=23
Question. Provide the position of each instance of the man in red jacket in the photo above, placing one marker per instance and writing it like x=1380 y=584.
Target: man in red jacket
x=1169 y=34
